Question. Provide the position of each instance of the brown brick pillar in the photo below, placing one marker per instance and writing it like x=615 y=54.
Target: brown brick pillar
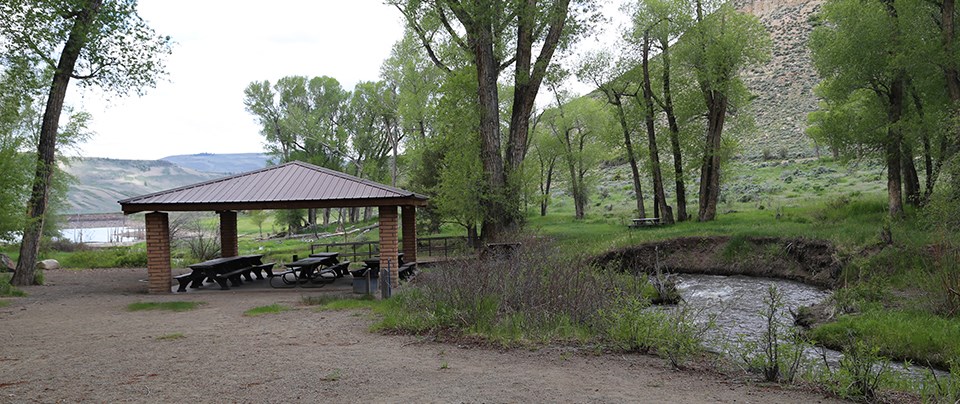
x=409 y=221
x=228 y=234
x=158 y=252
x=388 y=242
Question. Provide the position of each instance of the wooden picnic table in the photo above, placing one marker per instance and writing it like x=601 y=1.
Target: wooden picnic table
x=646 y=222
x=220 y=270
x=305 y=271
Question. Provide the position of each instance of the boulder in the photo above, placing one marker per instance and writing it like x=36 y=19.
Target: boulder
x=7 y=264
x=48 y=264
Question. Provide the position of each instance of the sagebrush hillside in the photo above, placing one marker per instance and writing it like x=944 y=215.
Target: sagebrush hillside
x=101 y=182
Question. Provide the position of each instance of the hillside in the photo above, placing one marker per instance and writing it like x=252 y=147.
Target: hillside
x=784 y=86
x=101 y=182
x=220 y=163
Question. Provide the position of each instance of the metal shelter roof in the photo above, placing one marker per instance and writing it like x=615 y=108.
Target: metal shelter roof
x=292 y=185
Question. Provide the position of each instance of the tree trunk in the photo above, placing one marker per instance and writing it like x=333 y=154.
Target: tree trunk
x=545 y=191
x=710 y=171
x=631 y=157
x=660 y=200
x=498 y=216
x=326 y=216
x=911 y=180
x=674 y=134
x=892 y=148
x=46 y=149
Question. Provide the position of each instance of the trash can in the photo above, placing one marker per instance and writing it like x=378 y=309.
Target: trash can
x=360 y=285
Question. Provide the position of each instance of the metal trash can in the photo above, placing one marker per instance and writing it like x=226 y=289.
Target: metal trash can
x=360 y=285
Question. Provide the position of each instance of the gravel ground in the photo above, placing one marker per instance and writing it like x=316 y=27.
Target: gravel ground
x=72 y=340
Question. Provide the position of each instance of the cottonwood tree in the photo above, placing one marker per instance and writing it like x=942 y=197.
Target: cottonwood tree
x=579 y=127
x=661 y=22
x=100 y=43
x=614 y=79
x=717 y=48
x=498 y=36
x=876 y=59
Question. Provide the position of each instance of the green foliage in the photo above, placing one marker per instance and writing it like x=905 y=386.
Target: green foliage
x=268 y=309
x=916 y=336
x=110 y=257
x=175 y=306
x=861 y=373
x=8 y=290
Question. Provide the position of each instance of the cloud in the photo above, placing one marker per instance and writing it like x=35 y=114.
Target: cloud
x=221 y=47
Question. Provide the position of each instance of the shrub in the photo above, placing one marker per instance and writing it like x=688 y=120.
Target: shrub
x=534 y=290
x=778 y=352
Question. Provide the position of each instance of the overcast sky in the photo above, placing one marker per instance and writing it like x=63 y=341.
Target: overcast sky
x=221 y=46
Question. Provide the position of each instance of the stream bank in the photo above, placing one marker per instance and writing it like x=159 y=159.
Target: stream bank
x=813 y=262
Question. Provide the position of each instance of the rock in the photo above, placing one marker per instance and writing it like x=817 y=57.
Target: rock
x=7 y=264
x=48 y=264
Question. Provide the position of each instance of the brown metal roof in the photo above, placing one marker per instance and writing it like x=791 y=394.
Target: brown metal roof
x=287 y=186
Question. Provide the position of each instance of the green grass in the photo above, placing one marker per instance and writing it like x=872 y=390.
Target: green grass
x=165 y=306
x=268 y=309
x=916 y=336
x=4 y=303
x=8 y=290
x=112 y=257
x=171 y=337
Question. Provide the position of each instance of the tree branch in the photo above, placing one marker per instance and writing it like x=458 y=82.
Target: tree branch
x=449 y=28
x=423 y=38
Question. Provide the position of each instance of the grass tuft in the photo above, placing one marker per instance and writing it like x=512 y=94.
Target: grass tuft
x=268 y=309
x=171 y=337
x=8 y=290
x=167 y=306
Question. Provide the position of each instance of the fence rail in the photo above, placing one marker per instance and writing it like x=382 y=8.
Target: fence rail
x=426 y=247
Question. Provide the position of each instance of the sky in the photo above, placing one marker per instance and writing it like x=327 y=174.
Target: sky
x=222 y=46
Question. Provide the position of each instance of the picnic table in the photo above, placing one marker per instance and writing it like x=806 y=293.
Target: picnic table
x=372 y=265
x=308 y=271
x=646 y=222
x=220 y=270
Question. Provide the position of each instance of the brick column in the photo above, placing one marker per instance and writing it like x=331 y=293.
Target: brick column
x=409 y=221
x=228 y=234
x=388 y=242
x=158 y=252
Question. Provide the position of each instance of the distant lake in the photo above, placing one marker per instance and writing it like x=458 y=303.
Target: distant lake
x=117 y=234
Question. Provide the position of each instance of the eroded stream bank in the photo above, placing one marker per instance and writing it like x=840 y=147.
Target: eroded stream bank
x=813 y=262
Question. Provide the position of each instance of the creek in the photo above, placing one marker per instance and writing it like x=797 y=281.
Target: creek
x=736 y=304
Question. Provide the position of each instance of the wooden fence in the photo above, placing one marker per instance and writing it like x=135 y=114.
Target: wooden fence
x=426 y=247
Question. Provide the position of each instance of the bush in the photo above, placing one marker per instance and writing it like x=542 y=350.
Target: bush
x=113 y=257
x=8 y=290
x=778 y=353
x=534 y=292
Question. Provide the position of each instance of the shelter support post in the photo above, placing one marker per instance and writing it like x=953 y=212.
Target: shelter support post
x=388 y=242
x=158 y=252
x=228 y=234
x=409 y=222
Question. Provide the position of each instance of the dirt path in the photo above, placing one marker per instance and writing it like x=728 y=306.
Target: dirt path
x=73 y=340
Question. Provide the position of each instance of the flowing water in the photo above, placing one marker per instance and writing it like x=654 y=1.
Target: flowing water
x=738 y=301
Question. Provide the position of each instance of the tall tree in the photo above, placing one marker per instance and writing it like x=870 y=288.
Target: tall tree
x=613 y=79
x=579 y=128
x=497 y=35
x=863 y=48
x=100 y=43
x=643 y=34
x=717 y=48
x=666 y=20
